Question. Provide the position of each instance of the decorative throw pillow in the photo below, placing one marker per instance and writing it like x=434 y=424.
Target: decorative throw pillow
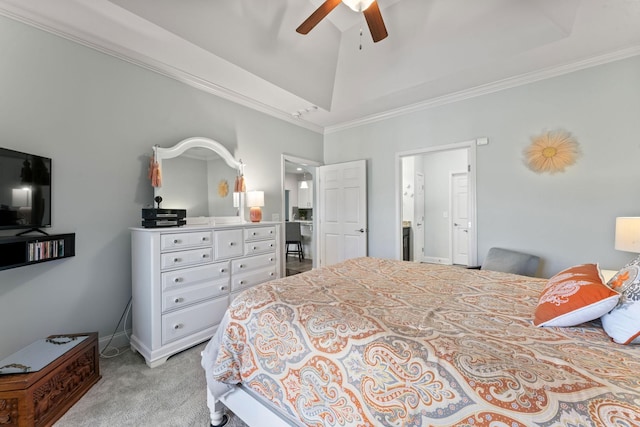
x=574 y=296
x=622 y=323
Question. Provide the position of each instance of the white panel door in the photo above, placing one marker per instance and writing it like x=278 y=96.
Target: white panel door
x=418 y=235
x=460 y=218
x=343 y=211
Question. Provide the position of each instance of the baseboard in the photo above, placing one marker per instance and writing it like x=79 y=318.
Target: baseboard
x=436 y=260
x=119 y=340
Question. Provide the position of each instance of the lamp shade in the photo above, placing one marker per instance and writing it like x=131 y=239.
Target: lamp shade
x=255 y=199
x=628 y=234
x=358 y=5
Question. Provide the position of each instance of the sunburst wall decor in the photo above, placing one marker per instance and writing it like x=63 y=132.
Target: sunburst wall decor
x=551 y=152
x=223 y=188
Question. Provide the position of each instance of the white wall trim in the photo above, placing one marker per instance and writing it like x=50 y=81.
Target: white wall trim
x=120 y=340
x=435 y=260
x=25 y=16
x=135 y=58
x=313 y=165
x=489 y=88
x=473 y=232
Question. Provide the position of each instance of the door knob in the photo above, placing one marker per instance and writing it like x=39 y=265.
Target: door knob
x=362 y=230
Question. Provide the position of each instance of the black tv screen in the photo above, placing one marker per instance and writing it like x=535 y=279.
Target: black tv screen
x=25 y=190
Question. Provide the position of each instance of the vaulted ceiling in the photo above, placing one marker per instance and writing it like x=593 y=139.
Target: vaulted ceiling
x=437 y=51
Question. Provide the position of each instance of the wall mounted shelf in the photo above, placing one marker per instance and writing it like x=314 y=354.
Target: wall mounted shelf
x=17 y=251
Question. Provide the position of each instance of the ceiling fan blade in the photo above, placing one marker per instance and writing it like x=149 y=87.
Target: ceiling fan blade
x=376 y=24
x=317 y=16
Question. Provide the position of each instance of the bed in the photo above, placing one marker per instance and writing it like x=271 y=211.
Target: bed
x=373 y=342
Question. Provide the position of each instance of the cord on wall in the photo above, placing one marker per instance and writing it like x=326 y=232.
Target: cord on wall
x=116 y=351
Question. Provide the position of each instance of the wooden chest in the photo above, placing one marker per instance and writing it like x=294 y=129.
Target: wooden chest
x=42 y=397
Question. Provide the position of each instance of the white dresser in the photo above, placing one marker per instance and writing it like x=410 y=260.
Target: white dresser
x=184 y=279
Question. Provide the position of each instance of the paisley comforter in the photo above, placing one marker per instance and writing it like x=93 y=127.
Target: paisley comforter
x=373 y=342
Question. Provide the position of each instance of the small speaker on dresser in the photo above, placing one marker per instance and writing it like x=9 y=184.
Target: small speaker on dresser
x=157 y=217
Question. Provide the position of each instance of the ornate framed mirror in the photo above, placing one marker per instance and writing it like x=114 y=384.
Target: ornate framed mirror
x=198 y=174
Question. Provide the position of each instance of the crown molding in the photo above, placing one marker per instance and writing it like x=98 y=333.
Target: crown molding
x=146 y=62
x=489 y=88
x=38 y=21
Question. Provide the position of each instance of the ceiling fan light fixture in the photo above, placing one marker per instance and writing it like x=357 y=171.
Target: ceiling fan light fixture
x=358 y=5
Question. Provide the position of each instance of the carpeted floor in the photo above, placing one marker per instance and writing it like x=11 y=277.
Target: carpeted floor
x=132 y=394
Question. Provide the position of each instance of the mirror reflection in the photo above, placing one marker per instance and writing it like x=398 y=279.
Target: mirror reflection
x=198 y=180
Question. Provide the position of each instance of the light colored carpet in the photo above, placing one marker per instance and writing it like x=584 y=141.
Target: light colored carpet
x=132 y=394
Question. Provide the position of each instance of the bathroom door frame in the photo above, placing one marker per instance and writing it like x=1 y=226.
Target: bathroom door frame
x=470 y=145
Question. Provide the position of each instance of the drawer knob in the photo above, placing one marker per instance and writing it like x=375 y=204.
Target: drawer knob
x=255 y=247
x=241 y=265
x=271 y=259
x=272 y=274
x=177 y=300
x=175 y=241
x=223 y=288
x=176 y=260
x=222 y=270
x=271 y=245
x=231 y=243
x=270 y=231
x=254 y=233
x=242 y=282
x=204 y=239
x=178 y=326
x=204 y=255
x=177 y=280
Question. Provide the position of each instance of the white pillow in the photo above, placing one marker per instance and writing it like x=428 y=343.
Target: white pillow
x=622 y=323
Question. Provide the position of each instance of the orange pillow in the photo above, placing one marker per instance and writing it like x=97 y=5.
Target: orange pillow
x=574 y=296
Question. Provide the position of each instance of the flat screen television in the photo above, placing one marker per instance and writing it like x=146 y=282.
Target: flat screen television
x=25 y=190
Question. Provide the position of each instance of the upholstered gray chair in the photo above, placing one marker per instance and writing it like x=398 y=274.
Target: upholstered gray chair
x=508 y=261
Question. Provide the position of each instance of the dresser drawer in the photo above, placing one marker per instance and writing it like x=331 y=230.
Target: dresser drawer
x=185 y=258
x=184 y=240
x=178 y=298
x=259 y=247
x=259 y=233
x=195 y=275
x=228 y=243
x=192 y=319
x=247 y=280
x=251 y=263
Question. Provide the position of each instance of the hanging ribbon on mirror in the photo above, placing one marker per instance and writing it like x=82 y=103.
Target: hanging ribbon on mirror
x=154 y=174
x=240 y=185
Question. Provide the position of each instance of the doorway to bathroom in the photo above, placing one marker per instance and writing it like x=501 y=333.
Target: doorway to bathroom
x=437 y=204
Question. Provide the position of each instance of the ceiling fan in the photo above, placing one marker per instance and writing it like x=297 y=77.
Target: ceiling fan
x=368 y=7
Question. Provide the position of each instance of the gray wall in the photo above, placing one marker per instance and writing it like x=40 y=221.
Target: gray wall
x=97 y=117
x=566 y=218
